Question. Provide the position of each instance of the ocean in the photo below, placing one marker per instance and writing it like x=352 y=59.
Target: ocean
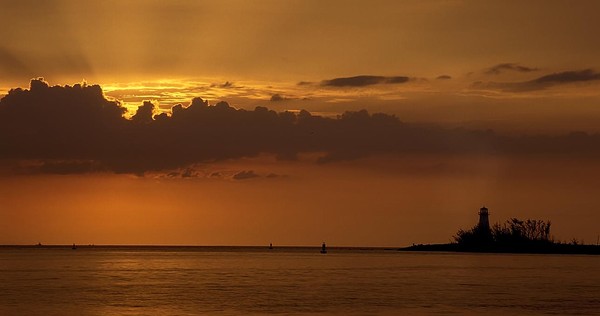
x=132 y=280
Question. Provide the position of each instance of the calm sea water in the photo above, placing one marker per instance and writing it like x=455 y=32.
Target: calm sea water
x=242 y=281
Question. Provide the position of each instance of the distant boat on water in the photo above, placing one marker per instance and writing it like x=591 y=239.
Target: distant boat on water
x=271 y=246
x=323 y=248
x=74 y=247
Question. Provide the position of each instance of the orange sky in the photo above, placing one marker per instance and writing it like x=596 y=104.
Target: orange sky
x=521 y=69
x=490 y=54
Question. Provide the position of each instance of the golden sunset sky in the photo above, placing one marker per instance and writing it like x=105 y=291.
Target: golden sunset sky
x=492 y=103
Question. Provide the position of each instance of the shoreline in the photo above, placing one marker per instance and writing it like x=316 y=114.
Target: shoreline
x=546 y=249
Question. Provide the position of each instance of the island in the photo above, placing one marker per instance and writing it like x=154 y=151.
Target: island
x=512 y=236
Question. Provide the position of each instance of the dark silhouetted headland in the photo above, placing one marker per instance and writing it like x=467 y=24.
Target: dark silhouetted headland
x=513 y=236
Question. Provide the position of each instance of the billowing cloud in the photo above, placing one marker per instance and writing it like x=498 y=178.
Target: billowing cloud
x=543 y=82
x=70 y=122
x=144 y=113
x=363 y=81
x=497 y=69
x=76 y=129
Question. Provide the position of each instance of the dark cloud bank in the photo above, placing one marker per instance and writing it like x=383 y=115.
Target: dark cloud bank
x=75 y=129
x=543 y=82
x=363 y=81
x=358 y=81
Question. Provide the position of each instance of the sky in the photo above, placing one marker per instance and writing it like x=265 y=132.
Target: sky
x=379 y=123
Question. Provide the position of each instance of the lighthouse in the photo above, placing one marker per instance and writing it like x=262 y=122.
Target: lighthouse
x=484 y=220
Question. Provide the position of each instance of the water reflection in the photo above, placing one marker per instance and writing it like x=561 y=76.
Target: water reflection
x=137 y=281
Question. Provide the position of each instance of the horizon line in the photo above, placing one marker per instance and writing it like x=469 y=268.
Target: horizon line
x=188 y=245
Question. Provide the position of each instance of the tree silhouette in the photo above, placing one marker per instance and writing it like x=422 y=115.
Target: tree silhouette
x=513 y=234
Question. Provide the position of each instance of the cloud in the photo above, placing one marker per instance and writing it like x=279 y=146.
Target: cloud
x=568 y=76
x=144 y=113
x=443 y=77
x=543 y=82
x=60 y=122
x=225 y=85
x=188 y=172
x=244 y=175
x=363 y=81
x=497 y=69
x=277 y=97
x=75 y=129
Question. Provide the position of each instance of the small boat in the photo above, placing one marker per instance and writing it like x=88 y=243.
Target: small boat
x=271 y=246
x=74 y=247
x=323 y=248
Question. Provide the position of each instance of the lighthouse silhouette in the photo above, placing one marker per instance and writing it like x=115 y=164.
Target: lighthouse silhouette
x=484 y=220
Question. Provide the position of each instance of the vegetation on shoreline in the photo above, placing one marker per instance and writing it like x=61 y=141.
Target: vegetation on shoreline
x=512 y=236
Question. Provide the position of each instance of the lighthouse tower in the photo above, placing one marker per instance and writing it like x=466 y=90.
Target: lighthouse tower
x=484 y=221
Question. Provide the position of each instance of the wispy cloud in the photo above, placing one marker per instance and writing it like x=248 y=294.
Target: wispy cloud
x=499 y=68
x=244 y=175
